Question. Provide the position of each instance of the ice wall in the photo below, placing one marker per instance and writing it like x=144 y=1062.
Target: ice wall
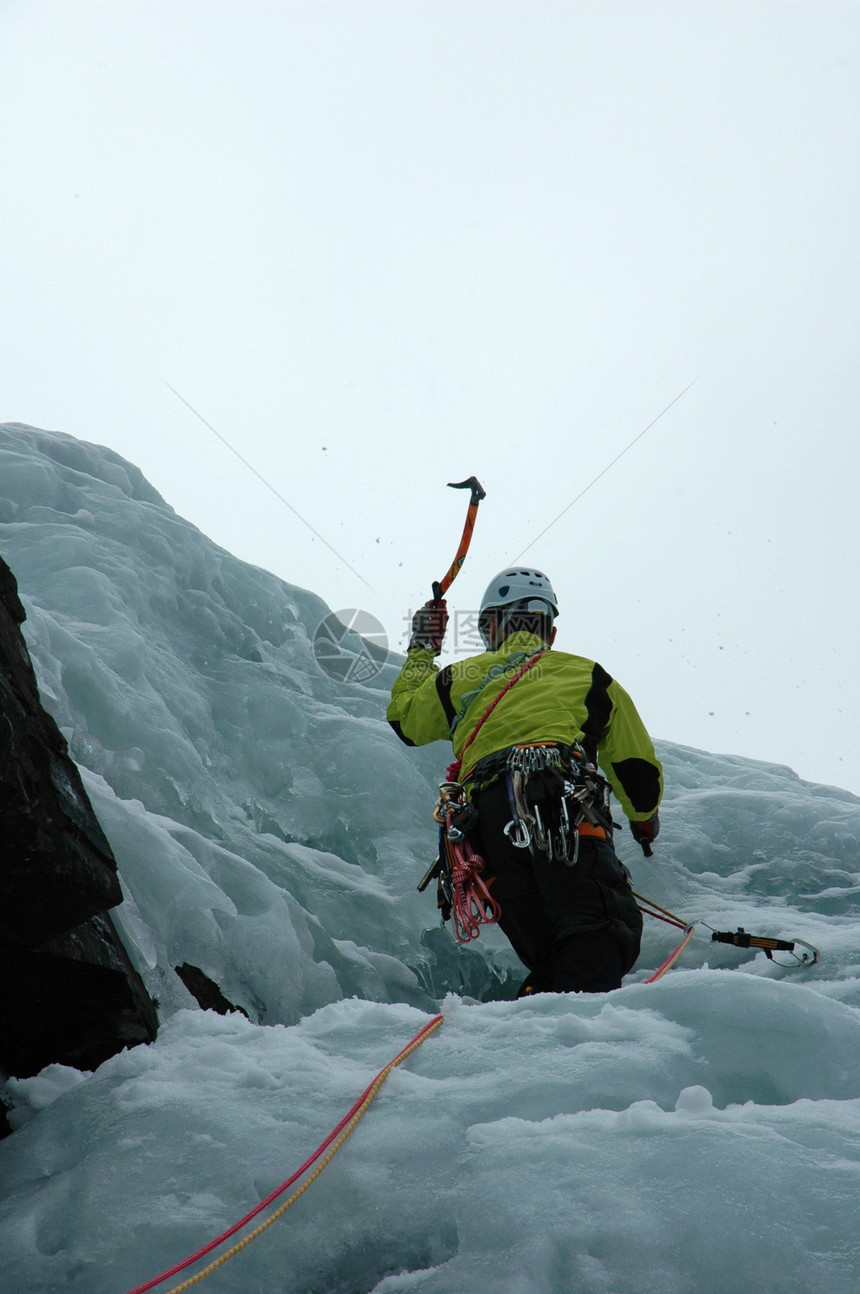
x=259 y=806
x=698 y=1136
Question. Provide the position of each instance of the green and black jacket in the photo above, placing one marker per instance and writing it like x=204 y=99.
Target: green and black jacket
x=562 y=698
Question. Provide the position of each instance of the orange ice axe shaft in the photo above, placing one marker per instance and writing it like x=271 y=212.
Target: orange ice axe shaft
x=440 y=587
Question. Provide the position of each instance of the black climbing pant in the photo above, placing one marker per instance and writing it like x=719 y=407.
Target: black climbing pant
x=577 y=929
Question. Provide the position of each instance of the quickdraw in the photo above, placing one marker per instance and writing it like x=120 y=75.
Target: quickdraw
x=739 y=938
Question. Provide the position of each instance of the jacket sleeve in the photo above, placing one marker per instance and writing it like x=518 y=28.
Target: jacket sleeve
x=416 y=710
x=627 y=756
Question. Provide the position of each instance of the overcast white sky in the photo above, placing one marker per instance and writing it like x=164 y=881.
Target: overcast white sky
x=384 y=244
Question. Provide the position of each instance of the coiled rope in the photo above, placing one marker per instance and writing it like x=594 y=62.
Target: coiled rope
x=472 y=904
x=331 y=1145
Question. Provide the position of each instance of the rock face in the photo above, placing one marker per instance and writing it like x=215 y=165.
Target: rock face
x=69 y=992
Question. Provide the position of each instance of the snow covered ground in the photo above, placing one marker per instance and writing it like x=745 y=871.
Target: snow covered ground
x=696 y=1136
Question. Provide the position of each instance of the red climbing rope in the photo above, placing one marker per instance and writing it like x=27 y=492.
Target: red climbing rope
x=452 y=773
x=652 y=909
x=351 y=1117
x=689 y=931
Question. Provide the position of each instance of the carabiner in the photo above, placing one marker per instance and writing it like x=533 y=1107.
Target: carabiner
x=518 y=833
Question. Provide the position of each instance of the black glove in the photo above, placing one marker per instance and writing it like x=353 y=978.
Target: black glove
x=644 y=833
x=428 y=626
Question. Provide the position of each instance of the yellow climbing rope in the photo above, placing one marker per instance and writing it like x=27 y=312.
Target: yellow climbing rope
x=324 y=1162
x=343 y=1130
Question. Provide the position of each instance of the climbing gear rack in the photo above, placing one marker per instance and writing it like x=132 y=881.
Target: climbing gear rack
x=556 y=796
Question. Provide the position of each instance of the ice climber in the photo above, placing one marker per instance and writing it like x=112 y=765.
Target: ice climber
x=538 y=808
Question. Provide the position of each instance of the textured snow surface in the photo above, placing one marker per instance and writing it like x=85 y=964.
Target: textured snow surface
x=697 y=1136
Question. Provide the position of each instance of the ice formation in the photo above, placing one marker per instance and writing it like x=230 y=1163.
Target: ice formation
x=696 y=1136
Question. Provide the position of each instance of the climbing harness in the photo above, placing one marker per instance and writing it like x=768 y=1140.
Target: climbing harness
x=331 y=1145
x=556 y=796
x=462 y=894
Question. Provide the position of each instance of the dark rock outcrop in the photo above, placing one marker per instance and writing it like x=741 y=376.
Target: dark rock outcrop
x=69 y=992
x=206 y=991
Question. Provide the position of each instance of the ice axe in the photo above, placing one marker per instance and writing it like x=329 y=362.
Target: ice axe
x=440 y=587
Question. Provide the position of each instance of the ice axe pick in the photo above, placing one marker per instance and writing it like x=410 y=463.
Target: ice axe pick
x=440 y=587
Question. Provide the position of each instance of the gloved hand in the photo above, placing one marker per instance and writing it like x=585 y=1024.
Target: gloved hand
x=428 y=626
x=644 y=833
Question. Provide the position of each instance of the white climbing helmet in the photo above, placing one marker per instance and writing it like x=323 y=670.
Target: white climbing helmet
x=528 y=588
x=518 y=588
